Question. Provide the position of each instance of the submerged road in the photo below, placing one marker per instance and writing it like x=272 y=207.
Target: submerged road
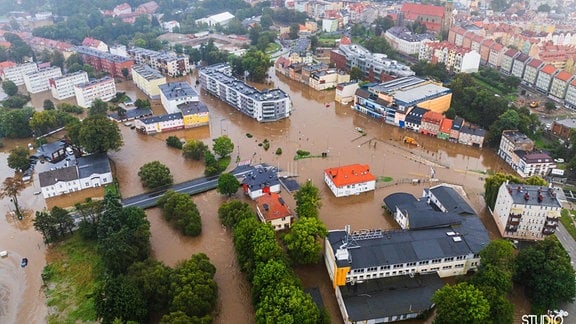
x=191 y=187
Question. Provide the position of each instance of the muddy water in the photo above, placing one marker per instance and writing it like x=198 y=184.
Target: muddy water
x=312 y=127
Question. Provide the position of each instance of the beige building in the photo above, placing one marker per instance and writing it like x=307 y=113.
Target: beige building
x=63 y=87
x=148 y=80
x=103 y=89
x=324 y=80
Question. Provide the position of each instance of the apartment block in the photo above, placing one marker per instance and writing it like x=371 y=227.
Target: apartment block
x=103 y=89
x=176 y=93
x=167 y=63
x=264 y=106
x=38 y=81
x=114 y=65
x=559 y=85
x=544 y=78
x=63 y=87
x=148 y=80
x=16 y=73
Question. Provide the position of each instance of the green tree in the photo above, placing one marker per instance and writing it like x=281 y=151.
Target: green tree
x=57 y=59
x=461 y=303
x=117 y=297
x=44 y=224
x=18 y=159
x=181 y=212
x=356 y=74
x=153 y=280
x=10 y=88
x=98 y=108
x=98 y=134
x=228 y=184
x=14 y=123
x=492 y=185
x=141 y=103
x=11 y=188
x=63 y=220
x=382 y=24
x=232 y=212
x=154 y=175
x=43 y=122
x=268 y=275
x=223 y=146
x=194 y=149
x=48 y=105
x=174 y=141
x=256 y=62
x=308 y=200
x=546 y=273
x=294 y=29
x=287 y=304
x=549 y=105
x=303 y=241
x=178 y=317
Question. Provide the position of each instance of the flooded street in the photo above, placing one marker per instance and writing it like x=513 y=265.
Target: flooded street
x=312 y=127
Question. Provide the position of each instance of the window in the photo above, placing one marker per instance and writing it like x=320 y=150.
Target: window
x=448 y=259
x=436 y=261
x=446 y=267
x=411 y=264
x=461 y=265
x=385 y=267
x=396 y=266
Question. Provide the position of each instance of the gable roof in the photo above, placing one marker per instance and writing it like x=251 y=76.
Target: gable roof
x=272 y=206
x=350 y=174
x=93 y=164
x=52 y=177
x=446 y=125
x=548 y=69
x=413 y=10
x=564 y=76
x=261 y=177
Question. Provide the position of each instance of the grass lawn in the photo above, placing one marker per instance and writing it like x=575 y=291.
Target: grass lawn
x=567 y=220
x=272 y=48
x=70 y=277
x=488 y=86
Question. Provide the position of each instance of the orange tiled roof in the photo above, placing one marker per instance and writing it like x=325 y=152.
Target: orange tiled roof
x=350 y=174
x=535 y=63
x=564 y=76
x=432 y=117
x=6 y=64
x=413 y=10
x=272 y=206
x=446 y=125
x=548 y=69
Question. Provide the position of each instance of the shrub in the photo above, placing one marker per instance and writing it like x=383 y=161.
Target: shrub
x=174 y=141
x=279 y=151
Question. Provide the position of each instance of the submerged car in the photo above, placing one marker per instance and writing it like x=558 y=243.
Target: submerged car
x=24 y=262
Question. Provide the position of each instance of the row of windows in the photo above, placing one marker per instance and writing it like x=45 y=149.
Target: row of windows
x=409 y=264
x=408 y=271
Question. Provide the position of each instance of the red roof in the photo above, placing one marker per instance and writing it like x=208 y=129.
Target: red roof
x=535 y=63
x=350 y=174
x=564 y=76
x=511 y=52
x=345 y=41
x=432 y=117
x=413 y=10
x=548 y=69
x=446 y=125
x=272 y=206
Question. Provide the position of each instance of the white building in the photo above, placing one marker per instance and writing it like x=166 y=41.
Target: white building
x=221 y=19
x=84 y=172
x=176 y=93
x=38 y=81
x=16 y=73
x=63 y=87
x=406 y=42
x=103 y=89
x=170 y=25
x=526 y=212
x=272 y=209
x=148 y=80
x=516 y=149
x=261 y=181
x=345 y=92
x=350 y=179
x=168 y=63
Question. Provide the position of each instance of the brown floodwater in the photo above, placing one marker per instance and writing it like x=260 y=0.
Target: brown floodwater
x=312 y=127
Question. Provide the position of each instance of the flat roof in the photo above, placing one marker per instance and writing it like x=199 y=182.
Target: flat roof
x=174 y=90
x=420 y=93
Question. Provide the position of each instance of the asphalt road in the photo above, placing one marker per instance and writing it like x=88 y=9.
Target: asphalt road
x=570 y=246
x=191 y=187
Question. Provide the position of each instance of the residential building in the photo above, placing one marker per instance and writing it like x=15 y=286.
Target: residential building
x=103 y=89
x=516 y=149
x=16 y=73
x=148 y=80
x=456 y=127
x=348 y=180
x=176 y=93
x=52 y=152
x=559 y=85
x=261 y=181
x=82 y=173
x=405 y=42
x=563 y=128
x=531 y=72
x=544 y=78
x=511 y=141
x=534 y=163
x=519 y=64
x=445 y=129
x=5 y=65
x=272 y=209
x=496 y=55
x=189 y=115
x=430 y=124
x=324 y=80
x=345 y=92
x=443 y=237
x=413 y=119
x=38 y=81
x=508 y=60
x=115 y=65
x=472 y=135
x=570 y=99
x=95 y=44
x=63 y=87
x=168 y=63
x=526 y=212
x=195 y=114
x=264 y=106
x=170 y=26
x=456 y=58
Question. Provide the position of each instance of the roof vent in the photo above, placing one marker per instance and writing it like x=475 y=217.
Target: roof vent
x=265 y=207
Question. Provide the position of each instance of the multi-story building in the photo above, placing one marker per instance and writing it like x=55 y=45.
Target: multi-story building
x=430 y=124
x=63 y=87
x=563 y=128
x=168 y=63
x=413 y=120
x=323 y=80
x=516 y=149
x=192 y=114
x=519 y=64
x=457 y=59
x=38 y=81
x=559 y=85
x=544 y=78
x=376 y=66
x=534 y=164
x=531 y=72
x=264 y=106
x=148 y=80
x=261 y=181
x=348 y=180
x=445 y=129
x=570 y=99
x=103 y=89
x=472 y=135
x=16 y=73
x=442 y=237
x=345 y=92
x=115 y=65
x=496 y=55
x=174 y=94
x=406 y=42
x=81 y=173
x=526 y=212
x=272 y=209
x=508 y=60
x=195 y=114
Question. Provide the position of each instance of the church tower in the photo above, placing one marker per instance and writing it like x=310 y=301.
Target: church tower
x=447 y=21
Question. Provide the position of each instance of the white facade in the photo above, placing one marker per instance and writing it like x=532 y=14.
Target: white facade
x=469 y=62
x=543 y=81
x=526 y=212
x=570 y=100
x=349 y=180
x=39 y=81
x=161 y=123
x=168 y=63
x=170 y=25
x=406 y=42
x=16 y=73
x=345 y=92
x=176 y=93
x=103 y=89
x=63 y=87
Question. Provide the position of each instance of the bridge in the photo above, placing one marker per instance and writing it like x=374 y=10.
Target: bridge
x=191 y=187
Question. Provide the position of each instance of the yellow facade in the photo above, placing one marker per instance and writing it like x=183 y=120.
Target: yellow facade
x=340 y=276
x=195 y=120
x=439 y=105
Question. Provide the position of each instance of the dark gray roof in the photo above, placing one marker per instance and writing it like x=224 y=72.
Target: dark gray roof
x=192 y=108
x=473 y=130
x=420 y=214
x=47 y=149
x=51 y=177
x=175 y=90
x=161 y=118
x=386 y=297
x=93 y=164
x=132 y=114
x=451 y=200
x=415 y=115
x=261 y=177
x=528 y=195
x=457 y=123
